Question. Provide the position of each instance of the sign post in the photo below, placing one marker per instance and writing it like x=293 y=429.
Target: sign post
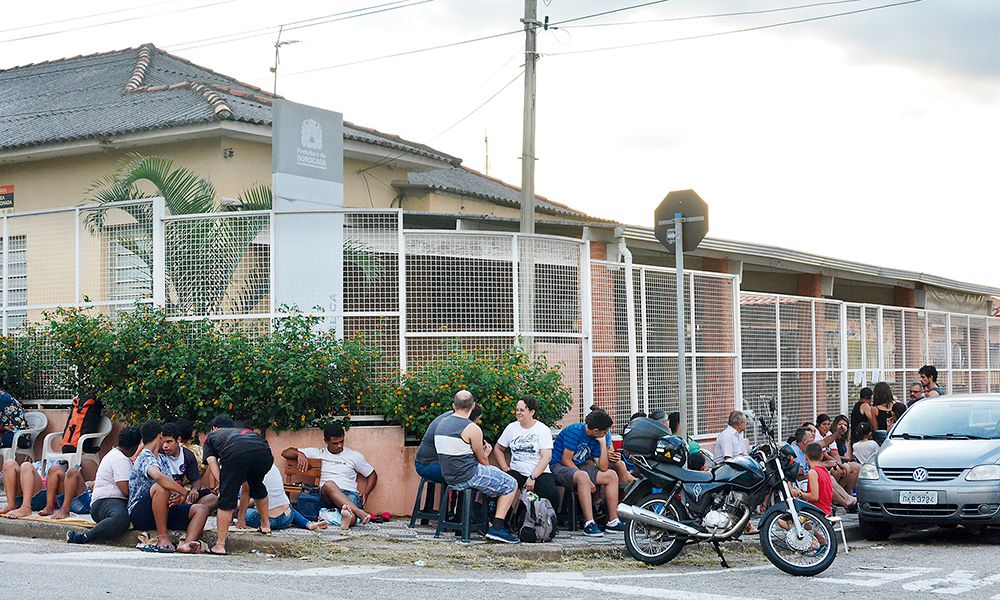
x=681 y=224
x=308 y=187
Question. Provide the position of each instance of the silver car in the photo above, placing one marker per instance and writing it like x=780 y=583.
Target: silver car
x=939 y=465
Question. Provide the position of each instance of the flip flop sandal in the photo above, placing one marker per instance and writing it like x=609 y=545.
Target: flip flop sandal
x=208 y=550
x=155 y=548
x=815 y=551
x=262 y=532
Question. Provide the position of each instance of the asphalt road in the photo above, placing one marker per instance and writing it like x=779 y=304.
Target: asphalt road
x=929 y=564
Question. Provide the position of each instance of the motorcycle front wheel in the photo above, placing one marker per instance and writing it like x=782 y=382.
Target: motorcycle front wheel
x=805 y=557
x=652 y=545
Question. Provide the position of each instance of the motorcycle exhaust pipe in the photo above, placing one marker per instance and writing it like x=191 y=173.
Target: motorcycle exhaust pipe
x=634 y=513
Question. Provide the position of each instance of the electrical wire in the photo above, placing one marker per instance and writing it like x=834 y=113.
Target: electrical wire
x=294 y=25
x=716 y=15
x=607 y=12
x=732 y=31
x=388 y=159
x=90 y=16
x=116 y=21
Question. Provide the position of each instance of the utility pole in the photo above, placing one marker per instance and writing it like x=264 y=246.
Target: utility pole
x=486 y=140
x=531 y=24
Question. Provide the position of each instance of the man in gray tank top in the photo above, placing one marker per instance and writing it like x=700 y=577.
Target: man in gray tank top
x=464 y=463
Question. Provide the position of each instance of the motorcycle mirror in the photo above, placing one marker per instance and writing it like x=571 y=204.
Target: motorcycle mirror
x=771 y=405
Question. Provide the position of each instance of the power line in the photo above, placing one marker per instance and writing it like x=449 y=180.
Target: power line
x=90 y=16
x=732 y=31
x=263 y=31
x=116 y=21
x=389 y=159
x=608 y=12
x=405 y=53
x=716 y=15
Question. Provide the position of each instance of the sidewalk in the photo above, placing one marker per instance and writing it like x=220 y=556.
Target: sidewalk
x=395 y=542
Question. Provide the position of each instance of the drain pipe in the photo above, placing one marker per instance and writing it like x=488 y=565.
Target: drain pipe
x=633 y=358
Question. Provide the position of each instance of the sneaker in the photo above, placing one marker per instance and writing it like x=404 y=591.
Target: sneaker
x=619 y=526
x=593 y=530
x=501 y=535
x=73 y=537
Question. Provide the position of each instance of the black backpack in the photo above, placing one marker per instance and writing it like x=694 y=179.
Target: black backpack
x=539 y=519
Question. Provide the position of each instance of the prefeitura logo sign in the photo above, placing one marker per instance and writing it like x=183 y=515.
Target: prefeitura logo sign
x=310 y=152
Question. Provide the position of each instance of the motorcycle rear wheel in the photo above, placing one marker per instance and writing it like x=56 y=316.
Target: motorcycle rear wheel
x=779 y=543
x=652 y=545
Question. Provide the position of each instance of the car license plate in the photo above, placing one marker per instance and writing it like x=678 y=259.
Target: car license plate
x=918 y=497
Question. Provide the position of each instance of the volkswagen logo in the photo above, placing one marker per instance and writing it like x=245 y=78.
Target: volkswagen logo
x=919 y=474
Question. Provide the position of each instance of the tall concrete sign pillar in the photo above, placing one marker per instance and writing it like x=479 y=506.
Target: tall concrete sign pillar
x=307 y=182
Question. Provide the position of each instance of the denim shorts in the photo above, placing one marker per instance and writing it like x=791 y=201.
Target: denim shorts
x=489 y=480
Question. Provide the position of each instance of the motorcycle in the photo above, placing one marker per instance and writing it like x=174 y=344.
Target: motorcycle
x=669 y=506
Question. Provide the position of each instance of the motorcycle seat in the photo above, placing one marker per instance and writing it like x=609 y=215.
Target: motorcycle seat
x=685 y=475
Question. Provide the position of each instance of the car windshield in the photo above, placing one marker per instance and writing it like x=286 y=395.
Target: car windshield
x=956 y=419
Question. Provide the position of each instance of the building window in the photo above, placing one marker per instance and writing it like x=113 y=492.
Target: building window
x=130 y=275
x=17 y=281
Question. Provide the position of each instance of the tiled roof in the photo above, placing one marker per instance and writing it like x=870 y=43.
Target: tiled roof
x=134 y=90
x=469 y=182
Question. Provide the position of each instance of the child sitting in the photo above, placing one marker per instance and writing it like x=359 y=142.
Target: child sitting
x=865 y=447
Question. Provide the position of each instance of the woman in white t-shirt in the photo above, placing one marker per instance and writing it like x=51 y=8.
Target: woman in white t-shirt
x=530 y=445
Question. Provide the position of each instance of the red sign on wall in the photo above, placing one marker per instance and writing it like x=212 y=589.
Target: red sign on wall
x=6 y=196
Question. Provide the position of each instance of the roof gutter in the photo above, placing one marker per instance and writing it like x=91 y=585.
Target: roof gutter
x=822 y=262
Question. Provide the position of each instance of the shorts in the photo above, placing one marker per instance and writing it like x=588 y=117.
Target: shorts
x=142 y=518
x=564 y=475
x=351 y=496
x=431 y=472
x=37 y=501
x=489 y=480
x=249 y=468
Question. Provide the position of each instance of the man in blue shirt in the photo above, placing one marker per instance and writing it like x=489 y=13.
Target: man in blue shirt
x=581 y=459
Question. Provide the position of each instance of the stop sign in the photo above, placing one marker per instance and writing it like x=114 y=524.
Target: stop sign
x=690 y=205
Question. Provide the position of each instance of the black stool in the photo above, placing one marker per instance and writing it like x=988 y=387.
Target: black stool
x=464 y=524
x=429 y=512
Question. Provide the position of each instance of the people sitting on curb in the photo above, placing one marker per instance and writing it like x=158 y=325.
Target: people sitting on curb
x=25 y=488
x=581 y=461
x=184 y=466
x=803 y=437
x=338 y=478
x=109 y=500
x=62 y=488
x=530 y=445
x=236 y=455
x=156 y=501
x=280 y=513
x=465 y=464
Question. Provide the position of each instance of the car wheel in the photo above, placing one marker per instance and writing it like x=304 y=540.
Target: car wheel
x=874 y=531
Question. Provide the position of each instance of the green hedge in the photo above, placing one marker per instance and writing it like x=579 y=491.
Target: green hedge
x=496 y=382
x=145 y=367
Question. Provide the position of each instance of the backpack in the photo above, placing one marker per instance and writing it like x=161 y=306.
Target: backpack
x=539 y=519
x=84 y=417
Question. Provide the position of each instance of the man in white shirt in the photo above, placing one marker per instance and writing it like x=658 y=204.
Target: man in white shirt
x=338 y=478
x=108 y=503
x=729 y=443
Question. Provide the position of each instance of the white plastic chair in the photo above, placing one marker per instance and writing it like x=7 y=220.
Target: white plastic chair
x=75 y=458
x=37 y=422
x=838 y=525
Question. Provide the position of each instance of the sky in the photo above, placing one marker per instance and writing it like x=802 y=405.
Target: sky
x=870 y=137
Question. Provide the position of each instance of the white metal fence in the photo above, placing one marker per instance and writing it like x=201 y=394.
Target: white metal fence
x=815 y=355
x=418 y=294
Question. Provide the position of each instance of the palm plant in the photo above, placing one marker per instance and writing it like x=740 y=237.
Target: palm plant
x=202 y=255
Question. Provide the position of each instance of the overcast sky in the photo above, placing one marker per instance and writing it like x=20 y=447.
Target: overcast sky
x=871 y=137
